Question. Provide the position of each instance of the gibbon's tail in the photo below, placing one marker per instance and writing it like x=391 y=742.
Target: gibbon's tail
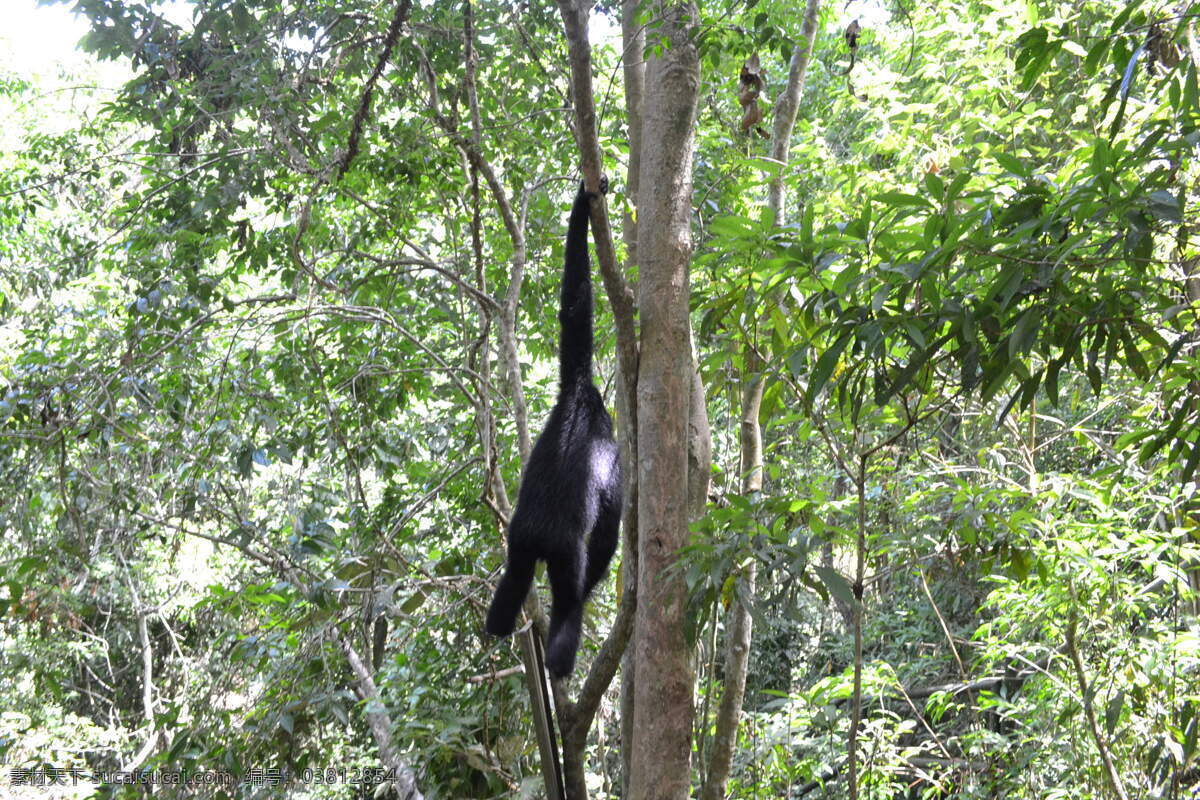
x=575 y=311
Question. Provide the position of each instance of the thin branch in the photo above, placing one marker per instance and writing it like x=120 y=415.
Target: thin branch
x=620 y=294
x=364 y=105
x=302 y=228
x=380 y=723
x=497 y=675
x=1089 y=711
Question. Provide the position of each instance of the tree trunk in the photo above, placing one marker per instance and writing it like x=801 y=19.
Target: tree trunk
x=576 y=718
x=380 y=724
x=789 y=103
x=633 y=39
x=740 y=633
x=663 y=709
x=738 y=638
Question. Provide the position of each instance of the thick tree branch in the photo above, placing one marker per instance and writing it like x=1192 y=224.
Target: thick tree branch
x=364 y=105
x=789 y=103
x=380 y=723
x=620 y=295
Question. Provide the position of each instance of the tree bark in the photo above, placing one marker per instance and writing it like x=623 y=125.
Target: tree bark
x=663 y=695
x=380 y=724
x=576 y=718
x=741 y=626
x=789 y=103
x=739 y=636
x=1089 y=711
x=860 y=568
x=633 y=40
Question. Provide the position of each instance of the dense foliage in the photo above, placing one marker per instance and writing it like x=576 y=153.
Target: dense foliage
x=258 y=419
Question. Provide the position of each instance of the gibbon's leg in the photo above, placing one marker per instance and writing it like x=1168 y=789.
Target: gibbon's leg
x=510 y=593
x=566 y=610
x=602 y=542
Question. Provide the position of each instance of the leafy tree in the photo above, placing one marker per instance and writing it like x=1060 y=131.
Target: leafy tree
x=275 y=327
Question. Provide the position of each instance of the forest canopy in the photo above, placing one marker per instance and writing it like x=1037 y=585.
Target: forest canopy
x=897 y=310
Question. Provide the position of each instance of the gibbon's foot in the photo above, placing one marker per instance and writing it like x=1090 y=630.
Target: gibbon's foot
x=560 y=664
x=510 y=593
x=560 y=654
x=498 y=625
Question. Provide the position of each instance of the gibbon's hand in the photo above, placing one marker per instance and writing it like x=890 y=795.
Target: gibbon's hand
x=603 y=187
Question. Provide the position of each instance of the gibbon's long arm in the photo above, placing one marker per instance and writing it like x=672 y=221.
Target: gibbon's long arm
x=575 y=309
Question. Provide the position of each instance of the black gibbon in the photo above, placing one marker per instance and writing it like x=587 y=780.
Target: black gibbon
x=571 y=490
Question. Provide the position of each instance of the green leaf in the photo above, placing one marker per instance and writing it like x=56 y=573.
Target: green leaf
x=1012 y=164
x=1112 y=712
x=825 y=364
x=732 y=226
x=1126 y=85
x=837 y=584
x=1133 y=357
x=1189 y=469
x=918 y=360
x=1074 y=48
x=1026 y=390
x=414 y=602
x=1165 y=206
x=242 y=19
x=1177 y=419
x=1095 y=55
x=1169 y=358
x=1031 y=44
x=1024 y=332
x=1120 y=19
x=1037 y=65
x=1052 y=372
x=1191 y=97
x=934 y=185
x=903 y=200
x=1020 y=563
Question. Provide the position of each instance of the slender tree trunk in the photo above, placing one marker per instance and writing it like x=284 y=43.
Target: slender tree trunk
x=1089 y=711
x=576 y=717
x=740 y=633
x=633 y=41
x=380 y=724
x=789 y=103
x=1191 y=289
x=860 y=570
x=663 y=695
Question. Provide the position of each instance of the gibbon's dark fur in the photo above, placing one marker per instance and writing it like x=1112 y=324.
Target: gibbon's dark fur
x=571 y=490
